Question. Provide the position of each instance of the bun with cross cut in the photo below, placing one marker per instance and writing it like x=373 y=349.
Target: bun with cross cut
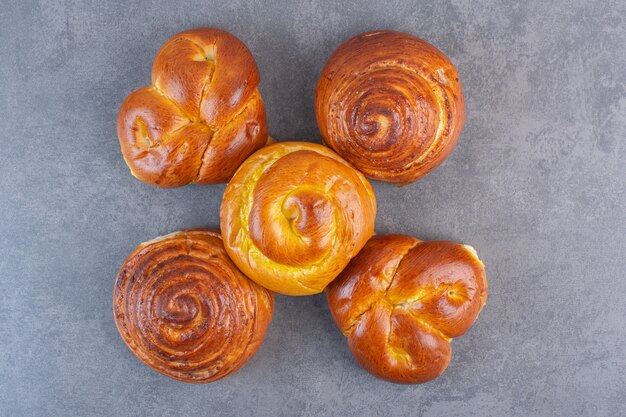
x=201 y=117
x=401 y=301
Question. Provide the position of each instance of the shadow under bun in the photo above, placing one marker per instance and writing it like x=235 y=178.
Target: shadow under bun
x=390 y=104
x=202 y=116
x=184 y=309
x=400 y=302
x=294 y=215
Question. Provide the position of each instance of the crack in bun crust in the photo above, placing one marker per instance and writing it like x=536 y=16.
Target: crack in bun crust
x=201 y=117
x=400 y=302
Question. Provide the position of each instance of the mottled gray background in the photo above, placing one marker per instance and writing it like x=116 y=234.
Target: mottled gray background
x=536 y=184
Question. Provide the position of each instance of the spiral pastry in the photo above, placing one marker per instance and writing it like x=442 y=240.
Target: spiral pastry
x=202 y=116
x=184 y=309
x=390 y=104
x=400 y=301
x=294 y=215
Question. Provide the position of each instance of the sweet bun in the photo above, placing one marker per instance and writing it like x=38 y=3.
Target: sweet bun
x=390 y=104
x=294 y=215
x=202 y=116
x=184 y=309
x=400 y=301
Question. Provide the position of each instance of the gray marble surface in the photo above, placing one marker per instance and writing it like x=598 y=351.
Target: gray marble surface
x=536 y=184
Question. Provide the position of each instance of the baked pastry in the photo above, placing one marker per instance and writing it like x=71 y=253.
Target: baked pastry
x=390 y=104
x=201 y=117
x=184 y=309
x=400 y=301
x=294 y=215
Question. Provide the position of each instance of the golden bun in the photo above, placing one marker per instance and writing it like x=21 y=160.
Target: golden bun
x=201 y=117
x=400 y=301
x=294 y=215
x=390 y=104
x=184 y=309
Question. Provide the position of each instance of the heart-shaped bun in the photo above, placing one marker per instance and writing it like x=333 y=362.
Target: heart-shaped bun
x=400 y=302
x=202 y=116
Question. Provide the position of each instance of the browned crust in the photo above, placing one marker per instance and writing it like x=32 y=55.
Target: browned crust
x=184 y=309
x=390 y=104
x=400 y=301
x=202 y=115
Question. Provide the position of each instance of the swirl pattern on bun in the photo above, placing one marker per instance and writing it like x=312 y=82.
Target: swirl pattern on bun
x=400 y=302
x=293 y=216
x=184 y=309
x=390 y=104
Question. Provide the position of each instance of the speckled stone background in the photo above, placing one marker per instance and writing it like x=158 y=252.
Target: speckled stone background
x=536 y=184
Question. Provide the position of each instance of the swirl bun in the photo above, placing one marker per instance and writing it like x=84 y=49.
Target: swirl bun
x=400 y=301
x=202 y=116
x=184 y=309
x=294 y=215
x=390 y=104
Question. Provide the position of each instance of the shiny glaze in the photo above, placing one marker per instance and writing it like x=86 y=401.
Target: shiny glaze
x=294 y=215
x=400 y=301
x=202 y=116
x=390 y=104
x=184 y=309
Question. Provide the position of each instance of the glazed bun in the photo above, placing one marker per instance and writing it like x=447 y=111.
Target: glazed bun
x=202 y=116
x=400 y=302
x=184 y=309
x=390 y=104
x=294 y=215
